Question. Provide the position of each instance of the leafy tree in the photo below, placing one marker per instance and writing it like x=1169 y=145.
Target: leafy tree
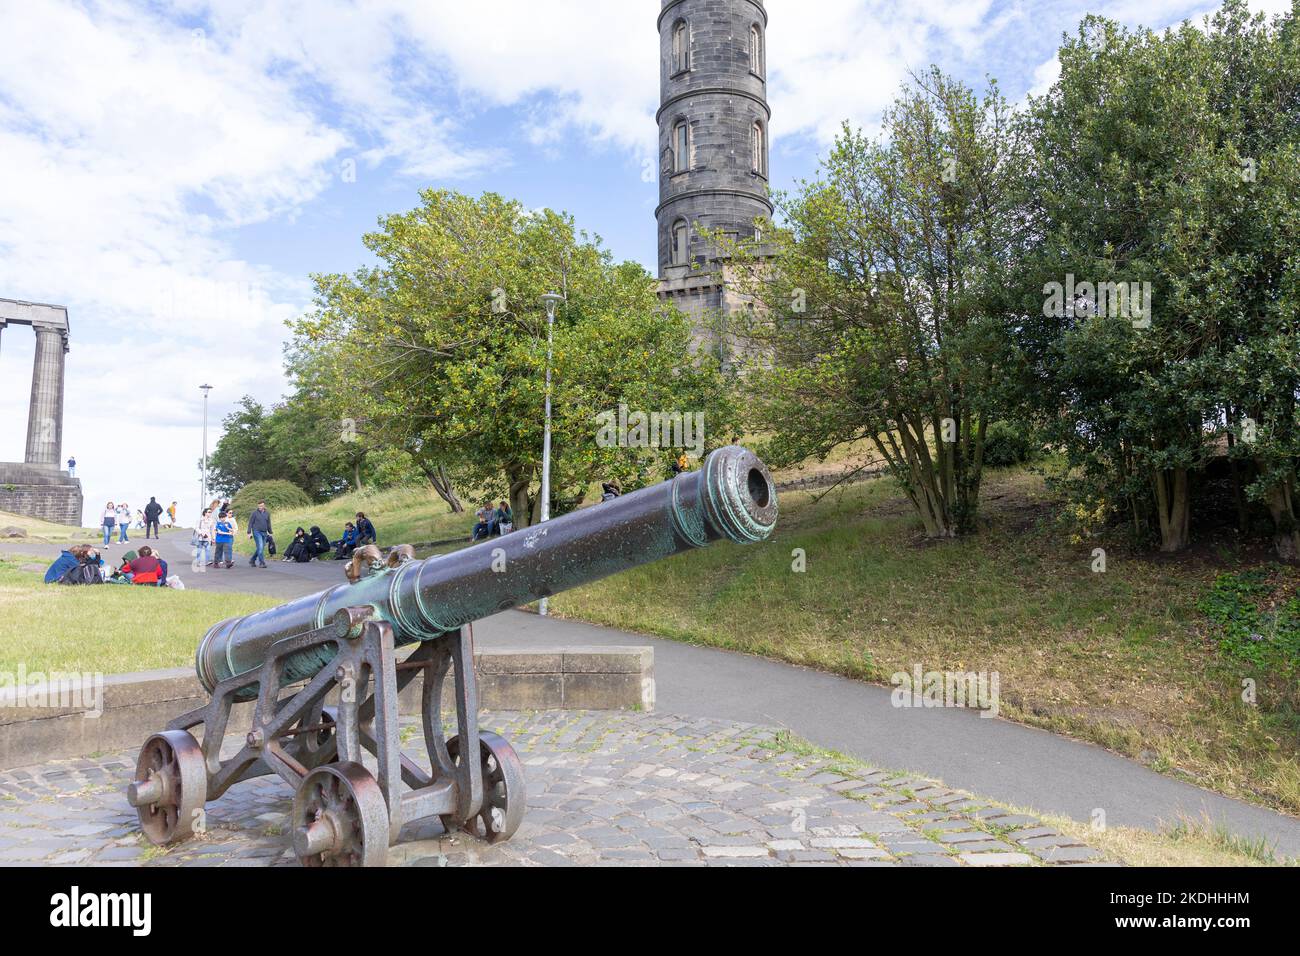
x=884 y=315
x=300 y=441
x=441 y=347
x=240 y=454
x=1140 y=184
x=1256 y=89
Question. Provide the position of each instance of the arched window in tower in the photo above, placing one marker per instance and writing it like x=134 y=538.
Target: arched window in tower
x=681 y=147
x=756 y=49
x=681 y=242
x=759 y=163
x=681 y=47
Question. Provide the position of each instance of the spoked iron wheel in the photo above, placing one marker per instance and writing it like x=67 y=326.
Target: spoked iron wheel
x=170 y=786
x=340 y=818
x=504 y=794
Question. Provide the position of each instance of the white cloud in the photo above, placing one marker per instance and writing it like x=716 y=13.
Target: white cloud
x=139 y=149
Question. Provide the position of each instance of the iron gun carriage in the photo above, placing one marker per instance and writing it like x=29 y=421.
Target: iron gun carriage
x=290 y=661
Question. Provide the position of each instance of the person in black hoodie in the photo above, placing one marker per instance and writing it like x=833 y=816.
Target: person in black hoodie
x=299 y=548
x=317 y=543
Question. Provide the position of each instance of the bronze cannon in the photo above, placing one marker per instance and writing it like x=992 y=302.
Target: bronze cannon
x=342 y=643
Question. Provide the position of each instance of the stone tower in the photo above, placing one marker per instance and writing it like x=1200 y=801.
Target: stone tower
x=713 y=145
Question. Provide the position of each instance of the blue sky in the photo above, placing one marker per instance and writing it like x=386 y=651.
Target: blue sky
x=172 y=171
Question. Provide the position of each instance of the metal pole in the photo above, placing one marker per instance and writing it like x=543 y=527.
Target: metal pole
x=550 y=300
x=203 y=480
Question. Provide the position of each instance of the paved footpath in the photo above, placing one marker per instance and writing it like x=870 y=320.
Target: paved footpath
x=999 y=759
x=603 y=788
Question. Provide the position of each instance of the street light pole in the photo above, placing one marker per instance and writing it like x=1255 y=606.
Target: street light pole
x=203 y=480
x=550 y=300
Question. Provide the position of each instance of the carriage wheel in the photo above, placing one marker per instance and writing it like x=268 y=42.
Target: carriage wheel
x=340 y=818
x=504 y=794
x=170 y=786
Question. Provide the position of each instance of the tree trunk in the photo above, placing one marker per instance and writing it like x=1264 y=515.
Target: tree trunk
x=1174 y=507
x=921 y=478
x=518 y=479
x=356 y=474
x=1286 y=532
x=441 y=482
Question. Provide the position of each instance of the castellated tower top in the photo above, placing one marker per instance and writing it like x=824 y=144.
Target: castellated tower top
x=713 y=126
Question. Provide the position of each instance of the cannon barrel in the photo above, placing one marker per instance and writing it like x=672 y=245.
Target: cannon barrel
x=730 y=496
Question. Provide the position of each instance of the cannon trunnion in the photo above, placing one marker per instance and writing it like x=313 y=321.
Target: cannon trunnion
x=343 y=642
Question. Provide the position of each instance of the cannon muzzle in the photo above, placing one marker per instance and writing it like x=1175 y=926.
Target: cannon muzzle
x=731 y=496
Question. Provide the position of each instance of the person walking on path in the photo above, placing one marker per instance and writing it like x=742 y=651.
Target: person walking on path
x=171 y=515
x=72 y=466
x=203 y=535
x=123 y=522
x=151 y=512
x=259 y=529
x=108 y=519
x=225 y=540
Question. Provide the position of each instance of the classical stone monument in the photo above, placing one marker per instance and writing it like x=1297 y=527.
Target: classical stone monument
x=713 y=144
x=37 y=487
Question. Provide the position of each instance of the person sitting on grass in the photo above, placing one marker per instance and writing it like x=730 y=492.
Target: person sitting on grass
x=317 y=543
x=487 y=518
x=348 y=543
x=505 y=518
x=68 y=559
x=145 y=568
x=299 y=548
x=122 y=573
x=366 y=533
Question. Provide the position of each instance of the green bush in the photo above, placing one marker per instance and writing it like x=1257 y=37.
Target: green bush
x=278 y=495
x=1005 y=444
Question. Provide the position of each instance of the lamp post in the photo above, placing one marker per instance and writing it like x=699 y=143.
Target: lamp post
x=550 y=300
x=203 y=479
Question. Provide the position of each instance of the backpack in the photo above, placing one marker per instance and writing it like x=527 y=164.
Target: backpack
x=82 y=574
x=270 y=545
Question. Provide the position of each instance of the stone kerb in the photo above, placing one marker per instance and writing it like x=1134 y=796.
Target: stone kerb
x=135 y=705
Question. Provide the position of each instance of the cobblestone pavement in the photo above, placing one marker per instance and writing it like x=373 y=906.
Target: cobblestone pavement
x=603 y=788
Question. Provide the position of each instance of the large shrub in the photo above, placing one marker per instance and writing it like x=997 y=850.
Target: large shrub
x=1006 y=444
x=278 y=495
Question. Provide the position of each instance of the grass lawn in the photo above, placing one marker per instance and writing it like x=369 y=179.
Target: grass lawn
x=108 y=629
x=46 y=531
x=1120 y=658
x=400 y=515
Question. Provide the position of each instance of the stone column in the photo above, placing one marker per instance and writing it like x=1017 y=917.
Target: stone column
x=45 y=415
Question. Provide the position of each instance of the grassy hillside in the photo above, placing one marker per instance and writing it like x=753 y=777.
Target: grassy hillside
x=107 y=629
x=45 y=530
x=1120 y=658
x=401 y=516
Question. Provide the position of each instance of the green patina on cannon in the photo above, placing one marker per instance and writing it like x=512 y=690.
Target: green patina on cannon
x=290 y=659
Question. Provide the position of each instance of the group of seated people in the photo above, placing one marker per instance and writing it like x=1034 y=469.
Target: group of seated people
x=493 y=521
x=354 y=536
x=314 y=545
x=306 y=546
x=82 y=564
